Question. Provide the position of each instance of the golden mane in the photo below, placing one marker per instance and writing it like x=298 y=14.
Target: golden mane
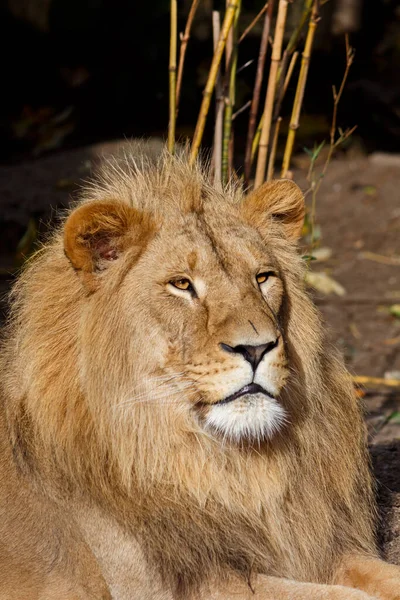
x=196 y=505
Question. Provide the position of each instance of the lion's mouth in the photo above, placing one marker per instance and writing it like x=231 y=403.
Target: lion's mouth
x=252 y=388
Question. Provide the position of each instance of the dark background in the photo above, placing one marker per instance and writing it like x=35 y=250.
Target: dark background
x=76 y=72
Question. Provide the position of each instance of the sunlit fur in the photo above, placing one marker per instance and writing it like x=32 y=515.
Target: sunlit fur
x=102 y=372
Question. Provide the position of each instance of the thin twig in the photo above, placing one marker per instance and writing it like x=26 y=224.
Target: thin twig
x=301 y=86
x=240 y=110
x=227 y=148
x=172 y=76
x=253 y=23
x=270 y=96
x=243 y=67
x=337 y=95
x=219 y=105
x=315 y=185
x=257 y=91
x=205 y=105
x=185 y=37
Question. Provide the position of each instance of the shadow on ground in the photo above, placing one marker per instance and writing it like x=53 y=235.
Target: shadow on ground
x=386 y=465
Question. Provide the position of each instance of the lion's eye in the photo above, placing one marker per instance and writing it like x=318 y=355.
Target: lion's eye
x=182 y=284
x=262 y=277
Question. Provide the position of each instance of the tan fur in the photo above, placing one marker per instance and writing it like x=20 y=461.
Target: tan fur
x=107 y=378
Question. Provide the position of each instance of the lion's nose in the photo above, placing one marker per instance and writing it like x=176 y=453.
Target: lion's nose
x=253 y=354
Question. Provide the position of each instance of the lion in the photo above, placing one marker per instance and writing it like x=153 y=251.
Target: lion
x=174 y=421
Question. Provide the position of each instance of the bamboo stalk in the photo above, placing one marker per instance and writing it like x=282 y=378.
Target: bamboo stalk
x=256 y=139
x=219 y=105
x=172 y=76
x=253 y=23
x=280 y=80
x=227 y=143
x=209 y=88
x=271 y=161
x=255 y=101
x=296 y=33
x=270 y=96
x=257 y=134
x=301 y=86
x=228 y=46
x=289 y=73
x=182 y=51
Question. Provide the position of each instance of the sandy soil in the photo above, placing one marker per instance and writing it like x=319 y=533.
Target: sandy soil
x=359 y=217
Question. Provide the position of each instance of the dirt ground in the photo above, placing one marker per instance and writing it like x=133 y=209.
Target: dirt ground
x=358 y=213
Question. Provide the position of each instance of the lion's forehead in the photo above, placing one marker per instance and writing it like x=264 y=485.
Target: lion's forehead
x=211 y=242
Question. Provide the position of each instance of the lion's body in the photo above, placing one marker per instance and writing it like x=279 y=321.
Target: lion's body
x=115 y=478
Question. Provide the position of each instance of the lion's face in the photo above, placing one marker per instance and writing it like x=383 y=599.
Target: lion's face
x=201 y=293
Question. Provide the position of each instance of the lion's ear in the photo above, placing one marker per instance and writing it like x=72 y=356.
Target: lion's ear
x=97 y=233
x=280 y=200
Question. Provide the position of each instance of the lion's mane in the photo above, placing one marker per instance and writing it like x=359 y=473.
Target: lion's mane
x=287 y=507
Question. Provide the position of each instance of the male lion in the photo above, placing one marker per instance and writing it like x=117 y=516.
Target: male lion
x=174 y=423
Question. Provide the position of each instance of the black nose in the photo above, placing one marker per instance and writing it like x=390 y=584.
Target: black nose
x=253 y=354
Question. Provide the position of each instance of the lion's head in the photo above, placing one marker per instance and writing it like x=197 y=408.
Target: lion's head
x=197 y=288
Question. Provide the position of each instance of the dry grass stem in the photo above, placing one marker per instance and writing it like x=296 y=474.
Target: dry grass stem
x=376 y=381
x=227 y=143
x=219 y=106
x=254 y=22
x=172 y=75
x=301 y=85
x=271 y=160
x=380 y=258
x=185 y=37
x=256 y=92
x=270 y=96
x=209 y=88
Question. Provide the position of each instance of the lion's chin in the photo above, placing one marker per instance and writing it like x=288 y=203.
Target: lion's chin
x=252 y=417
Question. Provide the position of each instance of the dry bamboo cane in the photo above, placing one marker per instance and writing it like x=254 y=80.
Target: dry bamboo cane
x=280 y=80
x=289 y=51
x=289 y=74
x=271 y=160
x=182 y=51
x=255 y=101
x=219 y=106
x=296 y=33
x=208 y=90
x=270 y=96
x=301 y=86
x=227 y=157
x=172 y=76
